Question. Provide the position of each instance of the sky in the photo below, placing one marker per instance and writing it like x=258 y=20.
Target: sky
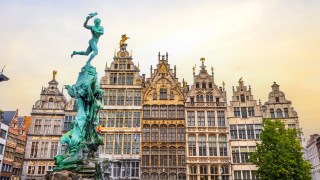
x=262 y=41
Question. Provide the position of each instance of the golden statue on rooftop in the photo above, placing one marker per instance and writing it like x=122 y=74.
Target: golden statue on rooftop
x=54 y=73
x=240 y=81
x=202 y=59
x=123 y=39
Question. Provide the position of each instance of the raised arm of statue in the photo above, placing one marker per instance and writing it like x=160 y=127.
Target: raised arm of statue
x=91 y=15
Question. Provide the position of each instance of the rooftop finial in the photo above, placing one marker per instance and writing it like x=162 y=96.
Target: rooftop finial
x=139 y=65
x=54 y=73
x=114 y=54
x=202 y=59
x=240 y=81
x=131 y=53
x=194 y=68
x=123 y=39
x=223 y=84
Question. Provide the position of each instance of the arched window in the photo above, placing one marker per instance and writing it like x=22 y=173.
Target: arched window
x=155 y=111
x=181 y=157
x=207 y=98
x=146 y=133
x=223 y=145
x=210 y=85
x=154 y=176
x=182 y=176
x=154 y=157
x=214 y=172
x=163 y=132
x=172 y=133
x=212 y=145
x=172 y=176
x=202 y=145
x=192 y=145
x=154 y=133
x=146 y=111
x=163 y=157
x=204 y=85
x=51 y=104
x=201 y=98
x=203 y=169
x=197 y=85
x=172 y=157
x=272 y=113
x=279 y=113
x=211 y=98
x=181 y=133
x=145 y=156
x=193 y=172
x=171 y=95
x=155 y=95
x=163 y=176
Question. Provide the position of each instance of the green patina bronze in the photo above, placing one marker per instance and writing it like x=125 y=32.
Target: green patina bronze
x=84 y=137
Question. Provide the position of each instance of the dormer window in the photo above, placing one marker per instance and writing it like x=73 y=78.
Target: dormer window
x=163 y=93
x=210 y=85
x=155 y=95
x=277 y=99
x=171 y=95
x=204 y=85
x=279 y=113
x=197 y=85
x=128 y=66
x=242 y=98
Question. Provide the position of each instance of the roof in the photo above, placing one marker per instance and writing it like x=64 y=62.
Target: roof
x=8 y=116
x=28 y=119
x=3 y=78
x=20 y=120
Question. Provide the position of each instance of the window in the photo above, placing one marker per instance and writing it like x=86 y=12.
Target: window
x=163 y=133
x=41 y=169
x=112 y=97
x=146 y=111
x=242 y=131
x=286 y=112
x=210 y=85
x=214 y=173
x=129 y=78
x=129 y=98
x=119 y=119
x=154 y=133
x=192 y=145
x=236 y=111
x=134 y=169
x=181 y=133
x=44 y=149
x=171 y=111
x=180 y=111
x=212 y=145
x=279 y=113
x=3 y=134
x=111 y=118
x=251 y=111
x=172 y=157
x=244 y=154
x=221 y=119
x=163 y=111
x=121 y=78
x=223 y=145
x=136 y=119
x=128 y=119
x=235 y=154
x=56 y=127
x=250 y=131
x=291 y=126
x=1 y=148
x=146 y=133
x=277 y=99
x=199 y=98
x=109 y=143
x=172 y=133
x=118 y=144
x=163 y=93
x=113 y=78
x=47 y=126
x=155 y=95
x=202 y=145
x=102 y=118
x=51 y=103
x=63 y=148
x=163 y=157
x=242 y=98
x=203 y=169
x=272 y=113
x=210 y=118
x=54 y=149
x=155 y=111
x=244 y=112
x=237 y=175
x=67 y=122
x=190 y=117
x=137 y=98
x=105 y=97
x=135 y=143
x=204 y=85
x=122 y=64
x=37 y=126
x=258 y=128
x=201 y=120
x=181 y=158
x=225 y=170
x=154 y=157
x=233 y=132
x=171 y=95
x=34 y=150
x=30 y=169
x=120 y=97
x=197 y=85
x=126 y=143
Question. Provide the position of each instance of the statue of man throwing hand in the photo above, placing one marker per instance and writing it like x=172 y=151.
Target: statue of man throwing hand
x=96 y=32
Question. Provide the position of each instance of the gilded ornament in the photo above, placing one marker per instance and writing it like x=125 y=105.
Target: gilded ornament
x=123 y=39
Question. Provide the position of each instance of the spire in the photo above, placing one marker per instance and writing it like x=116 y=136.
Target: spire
x=131 y=53
x=114 y=54
x=54 y=73
x=106 y=65
x=139 y=65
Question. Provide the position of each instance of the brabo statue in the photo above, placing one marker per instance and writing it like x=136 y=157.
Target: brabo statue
x=84 y=138
x=96 y=32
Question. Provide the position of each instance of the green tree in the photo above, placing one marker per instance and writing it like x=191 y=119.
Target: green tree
x=279 y=155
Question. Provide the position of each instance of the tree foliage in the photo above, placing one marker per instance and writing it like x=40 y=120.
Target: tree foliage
x=279 y=155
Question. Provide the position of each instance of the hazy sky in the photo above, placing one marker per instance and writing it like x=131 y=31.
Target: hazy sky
x=263 y=41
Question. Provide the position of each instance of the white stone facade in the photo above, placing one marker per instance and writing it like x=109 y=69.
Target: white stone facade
x=3 y=139
x=312 y=154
